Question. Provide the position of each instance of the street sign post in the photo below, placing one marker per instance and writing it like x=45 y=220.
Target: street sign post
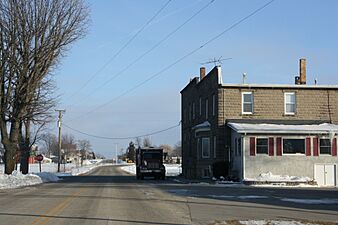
x=39 y=158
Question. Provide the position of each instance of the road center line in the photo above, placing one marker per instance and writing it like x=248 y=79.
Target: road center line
x=56 y=210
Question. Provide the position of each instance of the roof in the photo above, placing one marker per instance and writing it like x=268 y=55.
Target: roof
x=272 y=86
x=264 y=128
x=205 y=126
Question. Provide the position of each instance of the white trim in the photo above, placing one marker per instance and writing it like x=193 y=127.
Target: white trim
x=263 y=128
x=295 y=154
x=319 y=153
x=295 y=103
x=252 y=103
x=282 y=86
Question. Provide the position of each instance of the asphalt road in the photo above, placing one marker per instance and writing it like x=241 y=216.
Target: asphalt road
x=110 y=196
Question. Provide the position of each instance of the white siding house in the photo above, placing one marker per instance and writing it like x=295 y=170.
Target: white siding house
x=293 y=150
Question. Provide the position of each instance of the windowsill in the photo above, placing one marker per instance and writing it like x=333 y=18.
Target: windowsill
x=296 y=154
x=289 y=114
x=246 y=114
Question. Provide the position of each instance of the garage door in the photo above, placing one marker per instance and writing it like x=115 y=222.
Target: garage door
x=325 y=174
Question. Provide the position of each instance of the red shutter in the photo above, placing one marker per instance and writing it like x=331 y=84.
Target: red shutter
x=334 y=147
x=308 y=146
x=315 y=146
x=279 y=146
x=271 y=146
x=252 y=146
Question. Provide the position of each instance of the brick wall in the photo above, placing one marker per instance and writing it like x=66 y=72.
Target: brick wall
x=311 y=104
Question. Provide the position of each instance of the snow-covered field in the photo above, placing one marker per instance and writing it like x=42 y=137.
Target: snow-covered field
x=171 y=169
x=49 y=174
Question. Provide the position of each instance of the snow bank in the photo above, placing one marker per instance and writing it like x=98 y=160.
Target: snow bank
x=269 y=177
x=171 y=169
x=17 y=179
x=324 y=201
x=48 y=177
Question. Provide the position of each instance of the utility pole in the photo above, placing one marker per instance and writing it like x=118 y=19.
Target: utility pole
x=60 y=127
x=116 y=152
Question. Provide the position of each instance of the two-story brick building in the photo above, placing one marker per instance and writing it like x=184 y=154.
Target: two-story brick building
x=284 y=129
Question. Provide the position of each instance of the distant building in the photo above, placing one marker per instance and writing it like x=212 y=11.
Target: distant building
x=283 y=129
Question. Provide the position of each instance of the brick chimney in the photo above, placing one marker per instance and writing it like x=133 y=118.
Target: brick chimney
x=202 y=73
x=302 y=71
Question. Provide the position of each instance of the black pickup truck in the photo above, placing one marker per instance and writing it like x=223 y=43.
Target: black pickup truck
x=149 y=163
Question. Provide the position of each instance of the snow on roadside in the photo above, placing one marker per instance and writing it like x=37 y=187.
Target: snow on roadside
x=323 y=201
x=17 y=179
x=170 y=169
x=49 y=174
x=269 y=177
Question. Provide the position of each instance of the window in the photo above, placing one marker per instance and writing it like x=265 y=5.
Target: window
x=215 y=146
x=213 y=105
x=247 y=103
x=205 y=147
x=325 y=146
x=206 y=108
x=262 y=146
x=193 y=110
x=200 y=106
x=293 y=146
x=290 y=103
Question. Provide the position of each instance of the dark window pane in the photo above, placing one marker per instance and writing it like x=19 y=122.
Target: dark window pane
x=325 y=146
x=262 y=146
x=247 y=107
x=293 y=146
x=247 y=98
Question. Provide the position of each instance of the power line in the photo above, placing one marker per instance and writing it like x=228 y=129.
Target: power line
x=179 y=60
x=121 y=49
x=146 y=52
x=122 y=138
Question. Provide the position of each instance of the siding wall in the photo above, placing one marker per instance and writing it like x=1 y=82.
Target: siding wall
x=292 y=165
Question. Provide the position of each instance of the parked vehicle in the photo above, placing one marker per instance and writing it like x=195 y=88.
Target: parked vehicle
x=149 y=163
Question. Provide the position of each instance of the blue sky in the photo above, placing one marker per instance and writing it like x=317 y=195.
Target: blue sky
x=267 y=47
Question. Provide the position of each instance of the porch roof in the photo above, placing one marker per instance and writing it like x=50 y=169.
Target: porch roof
x=265 y=128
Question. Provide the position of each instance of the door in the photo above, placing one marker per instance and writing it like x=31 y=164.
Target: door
x=325 y=174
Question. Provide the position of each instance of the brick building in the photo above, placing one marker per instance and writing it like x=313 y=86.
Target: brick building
x=209 y=107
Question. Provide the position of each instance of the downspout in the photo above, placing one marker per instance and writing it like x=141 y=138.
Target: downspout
x=328 y=105
x=243 y=155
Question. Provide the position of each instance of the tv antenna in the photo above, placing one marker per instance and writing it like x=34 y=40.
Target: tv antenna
x=215 y=61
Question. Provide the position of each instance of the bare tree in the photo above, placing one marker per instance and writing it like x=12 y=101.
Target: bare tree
x=34 y=35
x=85 y=147
x=177 y=149
x=147 y=142
x=50 y=143
x=167 y=149
x=138 y=141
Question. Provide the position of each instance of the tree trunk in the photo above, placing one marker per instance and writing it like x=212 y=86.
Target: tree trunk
x=24 y=147
x=10 y=158
x=24 y=161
